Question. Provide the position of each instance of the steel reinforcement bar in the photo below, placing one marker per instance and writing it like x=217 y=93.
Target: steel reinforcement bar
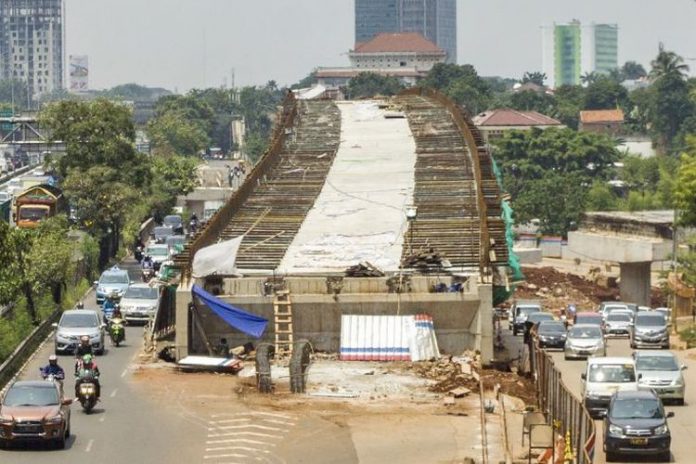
x=217 y=224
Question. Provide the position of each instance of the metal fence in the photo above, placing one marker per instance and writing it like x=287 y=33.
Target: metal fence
x=164 y=323
x=565 y=411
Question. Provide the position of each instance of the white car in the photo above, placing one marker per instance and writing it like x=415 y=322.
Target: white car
x=139 y=303
x=661 y=371
x=604 y=377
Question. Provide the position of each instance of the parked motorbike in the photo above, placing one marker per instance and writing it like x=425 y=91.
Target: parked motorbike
x=117 y=331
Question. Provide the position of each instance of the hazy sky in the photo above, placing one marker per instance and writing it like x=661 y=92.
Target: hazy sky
x=180 y=44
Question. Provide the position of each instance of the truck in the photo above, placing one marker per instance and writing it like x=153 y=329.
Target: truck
x=37 y=203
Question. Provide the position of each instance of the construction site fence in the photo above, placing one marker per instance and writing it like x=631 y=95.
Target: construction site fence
x=562 y=408
x=214 y=228
x=164 y=323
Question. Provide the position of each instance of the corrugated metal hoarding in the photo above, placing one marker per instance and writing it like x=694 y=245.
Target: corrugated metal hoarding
x=387 y=338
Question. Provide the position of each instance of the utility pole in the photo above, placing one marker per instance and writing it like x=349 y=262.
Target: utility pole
x=674 y=270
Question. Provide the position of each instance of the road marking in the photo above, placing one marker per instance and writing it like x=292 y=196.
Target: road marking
x=256 y=413
x=253 y=434
x=224 y=421
x=113 y=393
x=253 y=426
x=125 y=371
x=233 y=455
x=243 y=448
x=274 y=421
x=238 y=440
x=89 y=446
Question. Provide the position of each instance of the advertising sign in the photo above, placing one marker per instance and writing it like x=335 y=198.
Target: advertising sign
x=79 y=73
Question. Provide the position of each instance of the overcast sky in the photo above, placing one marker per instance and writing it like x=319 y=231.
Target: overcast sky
x=180 y=44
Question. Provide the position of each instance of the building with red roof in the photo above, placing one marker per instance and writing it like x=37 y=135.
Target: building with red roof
x=494 y=123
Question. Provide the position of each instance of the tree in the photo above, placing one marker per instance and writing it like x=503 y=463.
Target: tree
x=96 y=133
x=685 y=185
x=536 y=77
x=308 y=81
x=668 y=63
x=13 y=92
x=589 y=77
x=570 y=100
x=171 y=134
x=462 y=84
x=605 y=93
x=368 y=84
x=633 y=70
x=600 y=197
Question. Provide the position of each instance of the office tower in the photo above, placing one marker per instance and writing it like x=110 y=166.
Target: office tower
x=31 y=44
x=571 y=50
x=434 y=19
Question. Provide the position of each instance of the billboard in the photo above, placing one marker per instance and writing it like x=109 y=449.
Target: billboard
x=79 y=73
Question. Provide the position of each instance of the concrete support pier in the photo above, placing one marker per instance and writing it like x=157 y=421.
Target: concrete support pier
x=635 y=282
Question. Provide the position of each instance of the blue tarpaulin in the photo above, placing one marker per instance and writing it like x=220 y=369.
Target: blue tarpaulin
x=241 y=320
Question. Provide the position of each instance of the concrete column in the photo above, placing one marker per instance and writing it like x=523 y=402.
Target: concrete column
x=635 y=283
x=183 y=298
x=484 y=321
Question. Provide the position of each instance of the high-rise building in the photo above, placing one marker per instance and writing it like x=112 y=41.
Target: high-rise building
x=31 y=44
x=434 y=19
x=572 y=50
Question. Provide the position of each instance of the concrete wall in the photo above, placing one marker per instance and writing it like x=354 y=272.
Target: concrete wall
x=461 y=320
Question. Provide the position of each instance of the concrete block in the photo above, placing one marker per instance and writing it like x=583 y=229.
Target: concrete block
x=528 y=255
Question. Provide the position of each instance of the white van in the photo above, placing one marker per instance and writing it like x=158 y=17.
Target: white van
x=604 y=377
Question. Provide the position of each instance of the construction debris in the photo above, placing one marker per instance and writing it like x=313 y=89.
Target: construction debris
x=426 y=261
x=364 y=269
x=459 y=392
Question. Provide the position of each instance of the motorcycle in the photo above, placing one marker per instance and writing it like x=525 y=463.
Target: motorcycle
x=87 y=390
x=51 y=377
x=148 y=273
x=138 y=254
x=117 y=331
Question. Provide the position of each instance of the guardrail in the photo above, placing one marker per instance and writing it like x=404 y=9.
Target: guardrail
x=561 y=408
x=17 y=172
x=23 y=352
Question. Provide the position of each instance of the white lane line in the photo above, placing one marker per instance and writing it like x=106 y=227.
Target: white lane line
x=252 y=434
x=225 y=421
x=274 y=421
x=240 y=440
x=256 y=413
x=251 y=426
x=125 y=371
x=232 y=455
x=246 y=448
x=89 y=446
x=113 y=393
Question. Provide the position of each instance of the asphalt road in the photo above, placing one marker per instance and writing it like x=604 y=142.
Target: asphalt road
x=123 y=427
x=682 y=426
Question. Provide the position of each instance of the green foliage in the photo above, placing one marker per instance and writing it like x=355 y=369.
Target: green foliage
x=462 y=84
x=529 y=100
x=536 y=77
x=13 y=91
x=96 y=133
x=255 y=146
x=135 y=92
x=685 y=186
x=548 y=173
x=605 y=93
x=570 y=99
x=305 y=82
x=601 y=197
x=172 y=134
x=369 y=84
x=632 y=70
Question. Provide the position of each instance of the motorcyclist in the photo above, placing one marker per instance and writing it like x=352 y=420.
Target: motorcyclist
x=117 y=318
x=85 y=347
x=79 y=305
x=53 y=369
x=193 y=223
x=110 y=303
x=88 y=371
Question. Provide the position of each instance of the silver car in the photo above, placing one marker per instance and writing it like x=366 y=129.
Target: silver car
x=662 y=372
x=139 y=303
x=74 y=324
x=619 y=323
x=583 y=341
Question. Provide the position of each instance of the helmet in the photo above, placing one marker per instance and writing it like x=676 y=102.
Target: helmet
x=84 y=339
x=80 y=305
x=53 y=359
x=87 y=359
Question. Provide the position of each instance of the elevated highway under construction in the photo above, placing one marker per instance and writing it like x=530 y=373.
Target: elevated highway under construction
x=373 y=207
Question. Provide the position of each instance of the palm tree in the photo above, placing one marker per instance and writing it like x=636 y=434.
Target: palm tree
x=589 y=78
x=668 y=63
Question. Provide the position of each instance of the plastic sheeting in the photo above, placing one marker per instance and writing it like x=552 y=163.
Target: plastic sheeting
x=388 y=338
x=245 y=322
x=217 y=259
x=359 y=214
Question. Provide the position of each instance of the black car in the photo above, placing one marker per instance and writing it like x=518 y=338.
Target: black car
x=533 y=319
x=551 y=334
x=636 y=425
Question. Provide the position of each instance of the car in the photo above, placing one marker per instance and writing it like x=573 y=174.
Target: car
x=175 y=244
x=588 y=317
x=603 y=377
x=583 y=341
x=519 y=313
x=636 y=425
x=661 y=371
x=650 y=329
x=618 y=322
x=551 y=334
x=158 y=253
x=113 y=280
x=34 y=411
x=161 y=233
x=613 y=307
x=533 y=319
x=174 y=222
x=74 y=324
x=139 y=303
